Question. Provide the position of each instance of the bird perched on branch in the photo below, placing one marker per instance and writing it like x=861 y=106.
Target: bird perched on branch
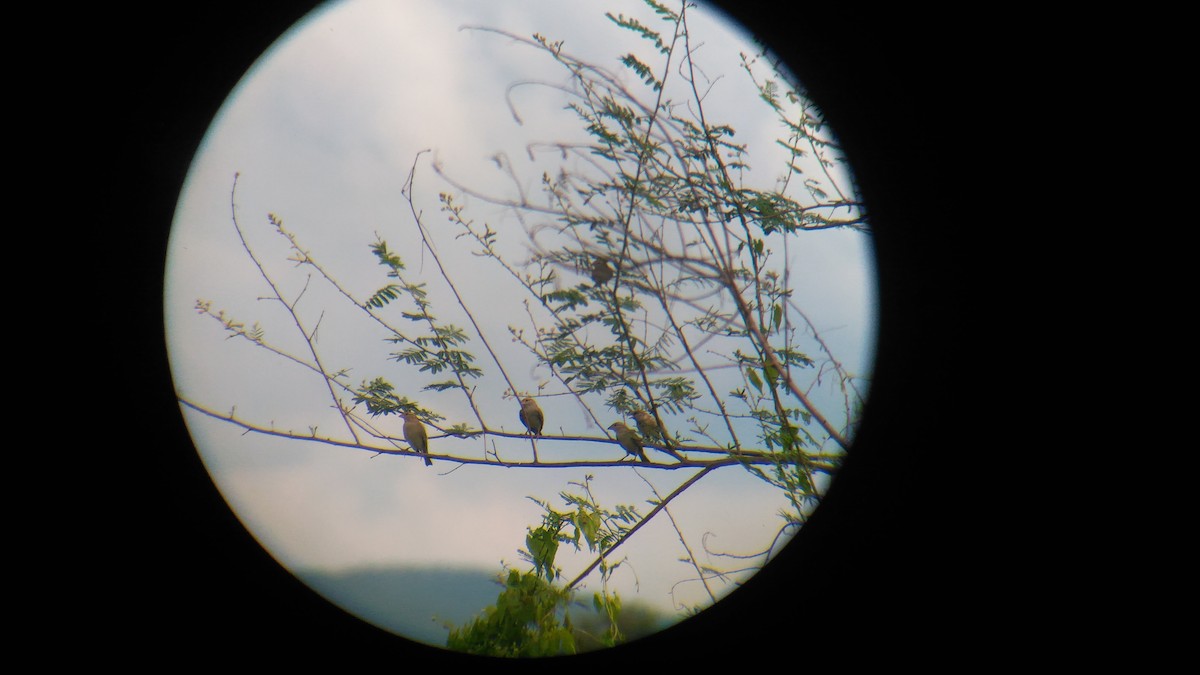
x=629 y=440
x=651 y=431
x=414 y=433
x=601 y=274
x=531 y=416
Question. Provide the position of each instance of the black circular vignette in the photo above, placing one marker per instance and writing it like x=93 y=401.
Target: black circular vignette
x=889 y=562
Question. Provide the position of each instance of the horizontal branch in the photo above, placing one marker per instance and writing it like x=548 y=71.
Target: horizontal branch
x=727 y=458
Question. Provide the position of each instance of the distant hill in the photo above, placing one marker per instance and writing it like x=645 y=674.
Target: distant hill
x=413 y=602
x=417 y=602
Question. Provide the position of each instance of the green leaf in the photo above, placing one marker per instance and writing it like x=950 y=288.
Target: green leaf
x=642 y=70
x=753 y=376
x=770 y=373
x=589 y=524
x=383 y=296
x=543 y=547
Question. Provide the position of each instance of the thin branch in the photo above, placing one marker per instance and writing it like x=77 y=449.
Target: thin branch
x=682 y=540
x=649 y=516
x=289 y=307
x=725 y=460
x=408 y=193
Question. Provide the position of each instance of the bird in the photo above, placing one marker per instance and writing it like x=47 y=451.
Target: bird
x=601 y=273
x=414 y=433
x=531 y=416
x=629 y=440
x=651 y=431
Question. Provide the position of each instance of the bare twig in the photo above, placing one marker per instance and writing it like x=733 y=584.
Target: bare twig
x=649 y=516
x=682 y=541
x=408 y=193
x=290 y=307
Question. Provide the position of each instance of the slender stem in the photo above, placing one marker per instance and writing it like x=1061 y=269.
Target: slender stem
x=827 y=464
x=683 y=542
x=408 y=192
x=649 y=516
x=289 y=307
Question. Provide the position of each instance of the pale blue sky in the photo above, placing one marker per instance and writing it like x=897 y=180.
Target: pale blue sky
x=323 y=131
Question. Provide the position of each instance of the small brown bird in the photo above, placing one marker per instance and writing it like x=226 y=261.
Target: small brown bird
x=414 y=433
x=531 y=416
x=652 y=432
x=601 y=274
x=647 y=425
x=629 y=440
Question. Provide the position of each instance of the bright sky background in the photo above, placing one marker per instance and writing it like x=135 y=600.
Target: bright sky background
x=323 y=131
